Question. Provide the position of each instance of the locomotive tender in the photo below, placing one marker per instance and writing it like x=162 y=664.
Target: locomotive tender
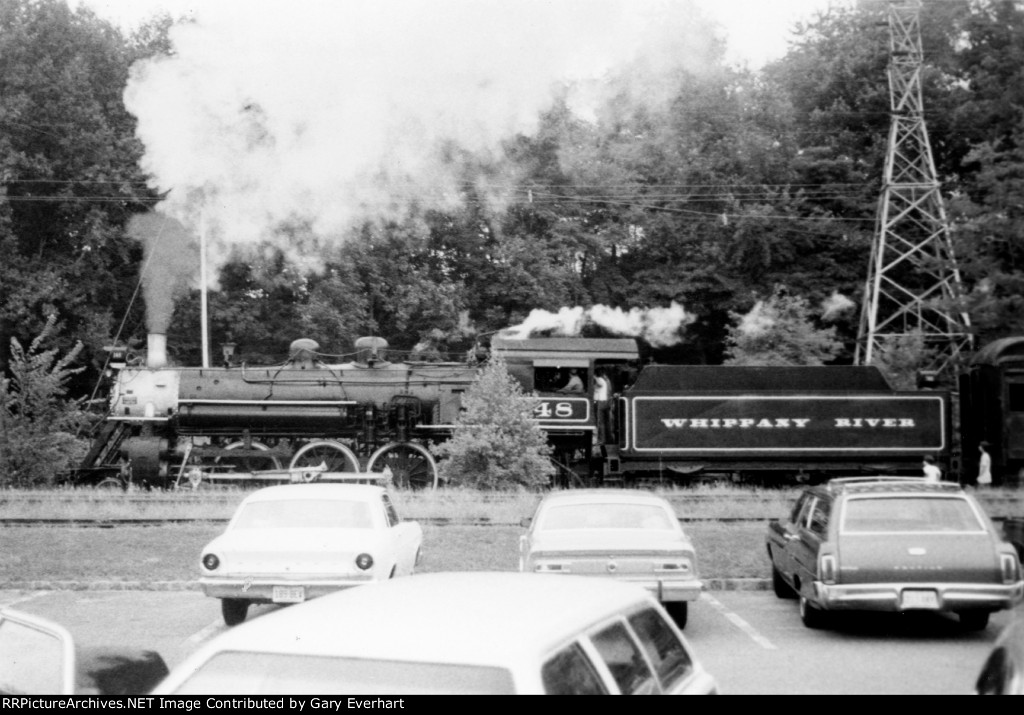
x=660 y=423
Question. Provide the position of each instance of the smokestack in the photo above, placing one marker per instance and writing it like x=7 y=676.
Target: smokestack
x=156 y=350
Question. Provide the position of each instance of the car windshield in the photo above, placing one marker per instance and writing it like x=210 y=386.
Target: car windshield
x=606 y=516
x=275 y=673
x=305 y=514
x=909 y=514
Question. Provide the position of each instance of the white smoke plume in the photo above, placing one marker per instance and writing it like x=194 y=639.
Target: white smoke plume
x=171 y=263
x=833 y=307
x=283 y=124
x=661 y=327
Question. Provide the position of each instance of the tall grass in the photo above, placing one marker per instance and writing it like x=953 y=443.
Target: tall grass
x=700 y=502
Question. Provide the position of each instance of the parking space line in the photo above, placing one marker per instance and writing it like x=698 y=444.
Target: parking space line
x=737 y=621
x=21 y=599
x=203 y=634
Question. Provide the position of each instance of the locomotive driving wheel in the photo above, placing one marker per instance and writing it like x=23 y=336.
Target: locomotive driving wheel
x=411 y=465
x=335 y=456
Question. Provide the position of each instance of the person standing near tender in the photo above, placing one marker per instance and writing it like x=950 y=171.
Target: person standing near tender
x=984 y=466
x=932 y=473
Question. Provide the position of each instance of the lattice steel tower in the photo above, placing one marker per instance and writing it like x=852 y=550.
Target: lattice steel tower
x=913 y=283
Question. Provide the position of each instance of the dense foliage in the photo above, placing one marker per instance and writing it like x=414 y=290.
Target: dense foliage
x=732 y=184
x=497 y=444
x=38 y=423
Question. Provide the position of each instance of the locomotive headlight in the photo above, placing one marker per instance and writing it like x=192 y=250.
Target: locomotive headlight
x=364 y=562
x=211 y=562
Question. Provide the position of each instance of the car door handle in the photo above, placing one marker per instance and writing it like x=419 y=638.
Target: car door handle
x=790 y=537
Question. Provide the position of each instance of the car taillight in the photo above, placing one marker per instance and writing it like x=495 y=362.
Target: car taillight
x=364 y=561
x=1010 y=567
x=828 y=568
x=681 y=566
x=211 y=562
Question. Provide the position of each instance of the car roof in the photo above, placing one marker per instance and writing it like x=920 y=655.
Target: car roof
x=601 y=496
x=481 y=618
x=890 y=485
x=316 y=491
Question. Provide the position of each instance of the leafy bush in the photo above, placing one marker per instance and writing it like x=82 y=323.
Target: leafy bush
x=496 y=443
x=37 y=421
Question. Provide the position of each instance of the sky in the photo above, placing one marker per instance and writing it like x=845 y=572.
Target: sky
x=756 y=30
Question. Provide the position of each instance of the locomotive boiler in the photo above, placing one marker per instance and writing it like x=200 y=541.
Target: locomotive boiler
x=170 y=424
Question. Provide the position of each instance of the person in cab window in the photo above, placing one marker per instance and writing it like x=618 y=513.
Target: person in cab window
x=602 y=388
x=575 y=384
x=932 y=473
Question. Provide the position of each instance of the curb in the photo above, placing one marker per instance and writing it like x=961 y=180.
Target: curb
x=711 y=584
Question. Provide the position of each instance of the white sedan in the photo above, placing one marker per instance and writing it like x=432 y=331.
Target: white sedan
x=291 y=543
x=627 y=535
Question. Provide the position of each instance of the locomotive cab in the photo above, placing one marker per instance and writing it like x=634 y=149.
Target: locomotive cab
x=574 y=422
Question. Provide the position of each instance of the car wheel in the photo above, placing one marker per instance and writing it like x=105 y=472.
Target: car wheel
x=974 y=620
x=233 y=610
x=679 y=611
x=811 y=616
x=779 y=585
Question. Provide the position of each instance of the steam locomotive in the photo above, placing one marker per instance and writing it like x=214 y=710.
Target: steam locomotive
x=667 y=424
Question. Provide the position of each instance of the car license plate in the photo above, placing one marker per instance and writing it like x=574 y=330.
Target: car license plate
x=919 y=599
x=289 y=594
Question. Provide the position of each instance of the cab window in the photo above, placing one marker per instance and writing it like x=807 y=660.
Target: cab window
x=570 y=672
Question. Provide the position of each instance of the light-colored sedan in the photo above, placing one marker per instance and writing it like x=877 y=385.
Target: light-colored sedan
x=454 y=633
x=291 y=543
x=627 y=535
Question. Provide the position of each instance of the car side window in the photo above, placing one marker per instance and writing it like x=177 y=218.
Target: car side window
x=801 y=504
x=800 y=520
x=570 y=672
x=820 y=516
x=625 y=660
x=665 y=650
x=389 y=509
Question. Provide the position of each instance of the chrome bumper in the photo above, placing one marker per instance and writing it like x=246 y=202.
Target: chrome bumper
x=262 y=589
x=887 y=596
x=669 y=591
